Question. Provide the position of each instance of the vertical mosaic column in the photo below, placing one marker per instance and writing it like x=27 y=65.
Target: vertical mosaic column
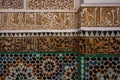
x=82 y=68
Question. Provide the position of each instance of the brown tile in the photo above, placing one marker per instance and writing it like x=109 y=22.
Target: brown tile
x=82 y=45
x=28 y=44
x=7 y=44
x=42 y=44
x=25 y=44
x=62 y=44
x=90 y=45
x=114 y=45
x=101 y=45
x=18 y=44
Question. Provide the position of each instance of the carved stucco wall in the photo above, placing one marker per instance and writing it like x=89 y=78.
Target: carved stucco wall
x=51 y=4
x=100 y=16
x=38 y=14
x=43 y=39
x=59 y=15
x=38 y=20
x=11 y=4
x=37 y=4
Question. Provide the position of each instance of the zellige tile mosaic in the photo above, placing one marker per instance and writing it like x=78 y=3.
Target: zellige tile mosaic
x=38 y=66
x=100 y=67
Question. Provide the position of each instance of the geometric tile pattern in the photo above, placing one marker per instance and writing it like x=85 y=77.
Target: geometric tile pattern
x=100 y=67
x=100 y=16
x=38 y=20
x=51 y=5
x=11 y=4
x=38 y=66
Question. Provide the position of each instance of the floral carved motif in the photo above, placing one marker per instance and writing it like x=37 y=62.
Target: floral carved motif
x=51 y=4
x=14 y=4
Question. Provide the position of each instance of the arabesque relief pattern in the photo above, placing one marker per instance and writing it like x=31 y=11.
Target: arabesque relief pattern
x=83 y=45
x=11 y=4
x=39 y=44
x=100 y=16
x=38 y=4
x=89 y=17
x=84 y=41
x=38 y=20
x=51 y=4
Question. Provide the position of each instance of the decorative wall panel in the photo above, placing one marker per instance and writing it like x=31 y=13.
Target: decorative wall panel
x=11 y=4
x=38 y=20
x=100 y=67
x=51 y=5
x=90 y=42
x=100 y=16
x=102 y=45
x=26 y=44
x=38 y=66
x=94 y=42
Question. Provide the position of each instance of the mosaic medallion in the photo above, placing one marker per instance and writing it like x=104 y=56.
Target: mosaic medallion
x=100 y=67
x=21 y=72
x=38 y=66
x=49 y=66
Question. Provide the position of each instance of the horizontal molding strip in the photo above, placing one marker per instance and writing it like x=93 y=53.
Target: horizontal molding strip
x=100 y=28
x=20 y=10
x=100 y=4
x=36 y=31
x=69 y=30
